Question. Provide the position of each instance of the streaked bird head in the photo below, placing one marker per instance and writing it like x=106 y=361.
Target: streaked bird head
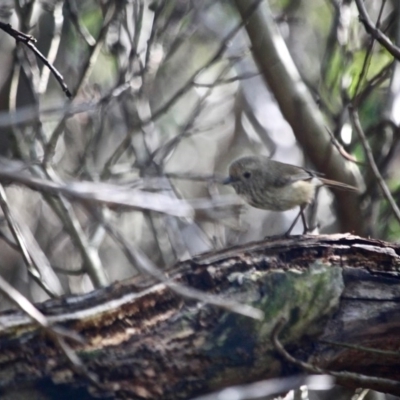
x=244 y=173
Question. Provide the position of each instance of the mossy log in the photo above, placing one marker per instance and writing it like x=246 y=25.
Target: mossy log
x=338 y=295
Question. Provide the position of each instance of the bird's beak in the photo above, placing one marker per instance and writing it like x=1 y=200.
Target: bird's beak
x=227 y=181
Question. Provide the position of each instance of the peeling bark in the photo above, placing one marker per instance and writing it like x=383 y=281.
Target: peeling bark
x=143 y=341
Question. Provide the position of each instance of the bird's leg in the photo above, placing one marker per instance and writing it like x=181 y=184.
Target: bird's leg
x=287 y=233
x=312 y=211
x=303 y=218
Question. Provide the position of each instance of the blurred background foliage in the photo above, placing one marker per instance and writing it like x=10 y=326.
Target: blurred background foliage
x=165 y=94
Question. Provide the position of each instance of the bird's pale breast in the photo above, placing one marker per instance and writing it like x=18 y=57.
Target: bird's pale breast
x=281 y=198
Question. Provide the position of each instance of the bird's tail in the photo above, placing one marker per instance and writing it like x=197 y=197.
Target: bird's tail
x=338 y=185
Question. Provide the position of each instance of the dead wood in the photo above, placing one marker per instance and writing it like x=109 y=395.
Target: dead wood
x=339 y=296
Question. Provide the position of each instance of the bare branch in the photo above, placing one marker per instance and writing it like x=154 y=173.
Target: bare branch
x=372 y=164
x=376 y=33
x=360 y=380
x=145 y=266
x=35 y=260
x=28 y=40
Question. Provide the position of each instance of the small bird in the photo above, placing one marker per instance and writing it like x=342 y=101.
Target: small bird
x=272 y=185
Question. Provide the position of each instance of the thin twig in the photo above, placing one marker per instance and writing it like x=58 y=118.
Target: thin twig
x=266 y=389
x=341 y=150
x=73 y=272
x=9 y=241
x=35 y=270
x=167 y=148
x=57 y=333
x=354 y=378
x=186 y=87
x=236 y=78
x=143 y=264
x=376 y=33
x=361 y=348
x=374 y=82
x=111 y=14
x=58 y=19
x=368 y=56
x=360 y=394
x=29 y=41
x=73 y=16
x=371 y=161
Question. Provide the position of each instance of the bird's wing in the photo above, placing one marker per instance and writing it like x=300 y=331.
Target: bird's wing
x=292 y=173
x=287 y=180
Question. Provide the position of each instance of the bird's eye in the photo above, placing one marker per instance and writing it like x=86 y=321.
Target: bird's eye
x=247 y=174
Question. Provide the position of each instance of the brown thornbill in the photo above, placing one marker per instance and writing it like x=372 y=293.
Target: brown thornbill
x=272 y=185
